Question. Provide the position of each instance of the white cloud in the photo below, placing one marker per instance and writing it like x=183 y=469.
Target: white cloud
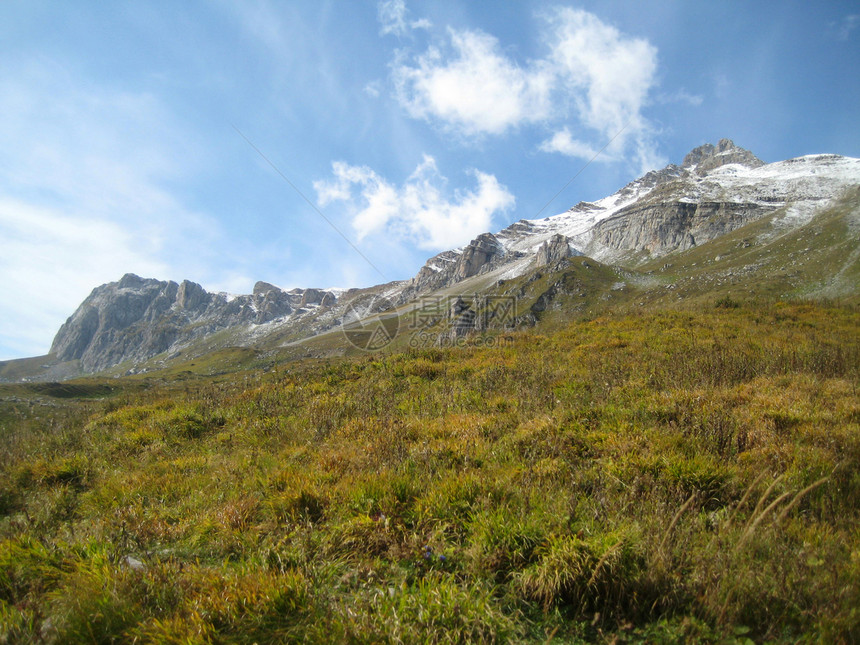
x=611 y=72
x=681 y=96
x=418 y=210
x=373 y=89
x=478 y=90
x=592 y=83
x=564 y=143
x=392 y=17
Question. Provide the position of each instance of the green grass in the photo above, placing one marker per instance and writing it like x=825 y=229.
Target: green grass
x=663 y=476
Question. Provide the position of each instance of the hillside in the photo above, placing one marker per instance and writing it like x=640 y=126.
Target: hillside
x=634 y=422
x=722 y=221
x=666 y=476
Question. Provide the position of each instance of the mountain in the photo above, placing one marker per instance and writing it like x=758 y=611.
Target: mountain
x=135 y=318
x=596 y=252
x=717 y=189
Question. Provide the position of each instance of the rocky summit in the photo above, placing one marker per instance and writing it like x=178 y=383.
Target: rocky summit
x=716 y=190
x=136 y=318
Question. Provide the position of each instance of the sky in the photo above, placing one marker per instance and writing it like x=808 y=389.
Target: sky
x=342 y=143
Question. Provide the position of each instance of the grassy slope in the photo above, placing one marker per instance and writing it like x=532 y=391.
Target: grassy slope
x=671 y=454
x=765 y=260
x=638 y=477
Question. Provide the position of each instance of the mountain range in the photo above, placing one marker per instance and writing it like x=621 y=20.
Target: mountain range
x=722 y=224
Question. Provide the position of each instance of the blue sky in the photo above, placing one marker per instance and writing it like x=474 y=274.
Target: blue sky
x=412 y=126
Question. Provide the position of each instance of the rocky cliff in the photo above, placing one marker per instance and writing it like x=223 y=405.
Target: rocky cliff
x=717 y=189
x=483 y=254
x=136 y=318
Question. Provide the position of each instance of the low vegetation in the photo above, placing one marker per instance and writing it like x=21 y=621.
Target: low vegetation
x=670 y=476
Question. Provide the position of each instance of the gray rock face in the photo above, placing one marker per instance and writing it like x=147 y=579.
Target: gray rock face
x=556 y=248
x=716 y=190
x=436 y=273
x=478 y=255
x=660 y=228
x=485 y=253
x=136 y=318
x=708 y=157
x=192 y=296
x=671 y=217
x=97 y=332
x=262 y=288
x=270 y=303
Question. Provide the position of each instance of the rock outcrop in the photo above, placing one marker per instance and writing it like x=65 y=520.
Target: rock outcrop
x=136 y=318
x=485 y=253
x=554 y=249
x=716 y=189
x=479 y=255
x=708 y=157
x=661 y=228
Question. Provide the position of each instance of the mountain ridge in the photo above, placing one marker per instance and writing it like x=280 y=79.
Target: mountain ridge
x=716 y=190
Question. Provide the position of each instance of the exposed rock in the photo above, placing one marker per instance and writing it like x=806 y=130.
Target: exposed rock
x=135 y=319
x=437 y=272
x=97 y=332
x=262 y=288
x=311 y=297
x=271 y=303
x=479 y=254
x=482 y=254
x=717 y=189
x=708 y=157
x=457 y=307
x=462 y=319
x=554 y=249
x=663 y=227
x=192 y=296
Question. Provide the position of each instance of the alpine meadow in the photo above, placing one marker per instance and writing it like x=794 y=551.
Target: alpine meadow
x=535 y=408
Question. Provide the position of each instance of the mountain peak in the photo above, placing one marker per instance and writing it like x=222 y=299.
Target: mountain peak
x=668 y=210
x=131 y=281
x=708 y=156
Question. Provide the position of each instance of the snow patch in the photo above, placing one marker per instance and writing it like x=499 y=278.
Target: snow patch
x=517 y=269
x=801 y=213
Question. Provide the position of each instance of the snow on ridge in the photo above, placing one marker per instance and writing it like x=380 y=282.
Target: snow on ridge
x=337 y=292
x=810 y=179
x=813 y=177
x=804 y=184
x=575 y=224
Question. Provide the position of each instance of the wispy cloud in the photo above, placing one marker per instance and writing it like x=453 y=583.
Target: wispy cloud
x=849 y=23
x=263 y=23
x=418 y=210
x=563 y=142
x=681 y=96
x=393 y=19
x=50 y=261
x=593 y=82
x=85 y=181
x=373 y=89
